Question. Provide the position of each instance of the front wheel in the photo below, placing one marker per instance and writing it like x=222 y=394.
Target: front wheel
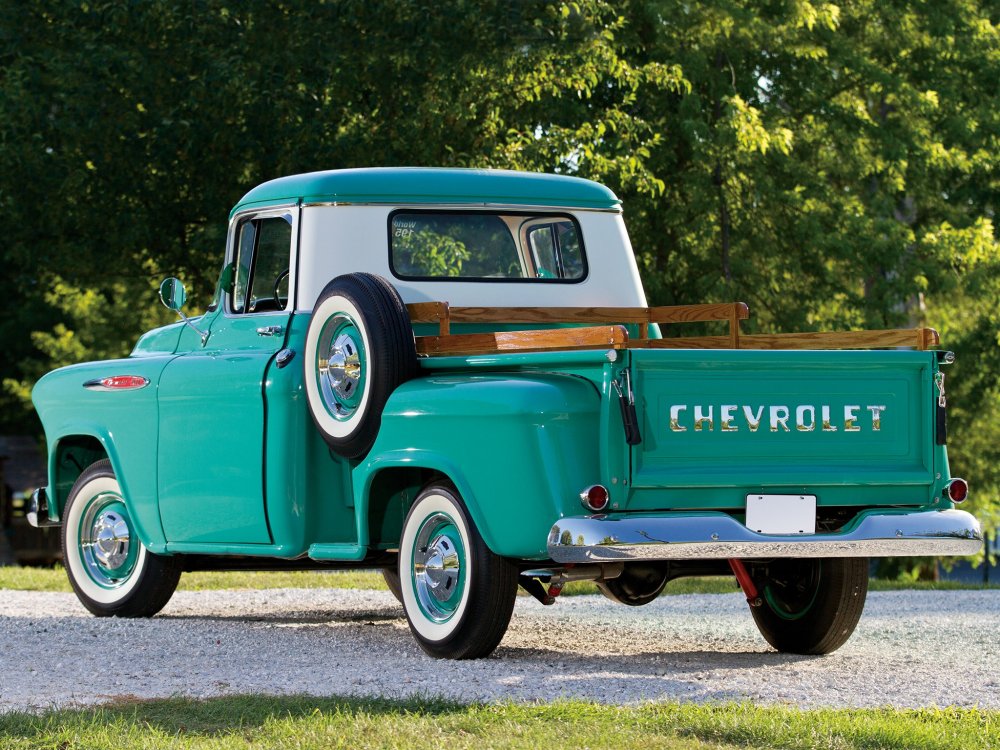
x=110 y=570
x=458 y=595
x=810 y=606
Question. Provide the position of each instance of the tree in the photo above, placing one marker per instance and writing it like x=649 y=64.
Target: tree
x=128 y=130
x=833 y=166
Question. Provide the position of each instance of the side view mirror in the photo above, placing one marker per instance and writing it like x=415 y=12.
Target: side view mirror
x=173 y=296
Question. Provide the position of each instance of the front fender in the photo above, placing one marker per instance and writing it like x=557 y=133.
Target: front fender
x=142 y=510
x=519 y=449
x=123 y=422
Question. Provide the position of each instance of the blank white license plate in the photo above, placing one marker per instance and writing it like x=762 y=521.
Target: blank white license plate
x=781 y=514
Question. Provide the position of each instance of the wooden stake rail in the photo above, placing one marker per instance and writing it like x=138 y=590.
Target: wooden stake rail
x=613 y=335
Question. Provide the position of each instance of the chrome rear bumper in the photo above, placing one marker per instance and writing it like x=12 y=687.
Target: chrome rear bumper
x=713 y=535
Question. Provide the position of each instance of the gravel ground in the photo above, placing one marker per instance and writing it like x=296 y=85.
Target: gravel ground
x=910 y=649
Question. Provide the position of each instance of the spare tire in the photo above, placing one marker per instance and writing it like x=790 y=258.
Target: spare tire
x=359 y=348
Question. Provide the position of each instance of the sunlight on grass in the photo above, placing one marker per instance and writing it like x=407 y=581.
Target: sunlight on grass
x=307 y=723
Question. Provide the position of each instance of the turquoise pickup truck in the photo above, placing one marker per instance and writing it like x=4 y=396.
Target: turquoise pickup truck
x=454 y=376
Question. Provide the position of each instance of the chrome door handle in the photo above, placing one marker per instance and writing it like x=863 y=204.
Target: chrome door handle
x=269 y=330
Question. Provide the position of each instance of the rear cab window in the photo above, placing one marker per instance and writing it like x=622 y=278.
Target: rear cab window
x=480 y=245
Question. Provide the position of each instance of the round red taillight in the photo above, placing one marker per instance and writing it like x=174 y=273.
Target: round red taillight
x=595 y=498
x=956 y=490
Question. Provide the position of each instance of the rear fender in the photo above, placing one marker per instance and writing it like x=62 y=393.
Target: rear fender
x=519 y=449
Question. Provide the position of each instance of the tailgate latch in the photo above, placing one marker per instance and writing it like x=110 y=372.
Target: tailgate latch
x=626 y=400
x=942 y=414
x=939 y=382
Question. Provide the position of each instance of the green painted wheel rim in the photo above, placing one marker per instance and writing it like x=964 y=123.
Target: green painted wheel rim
x=790 y=604
x=106 y=541
x=341 y=366
x=439 y=567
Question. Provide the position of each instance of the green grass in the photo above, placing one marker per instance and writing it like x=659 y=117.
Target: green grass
x=305 y=723
x=54 y=579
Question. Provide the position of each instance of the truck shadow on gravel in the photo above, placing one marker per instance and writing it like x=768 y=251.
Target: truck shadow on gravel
x=295 y=618
x=640 y=661
x=653 y=663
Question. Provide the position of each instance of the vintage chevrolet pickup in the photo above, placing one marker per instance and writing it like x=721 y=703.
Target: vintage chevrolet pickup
x=453 y=375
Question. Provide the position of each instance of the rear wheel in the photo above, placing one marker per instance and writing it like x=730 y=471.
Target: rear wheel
x=458 y=595
x=110 y=570
x=810 y=606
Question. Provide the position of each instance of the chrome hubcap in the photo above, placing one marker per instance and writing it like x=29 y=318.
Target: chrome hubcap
x=111 y=539
x=343 y=369
x=340 y=366
x=106 y=547
x=437 y=567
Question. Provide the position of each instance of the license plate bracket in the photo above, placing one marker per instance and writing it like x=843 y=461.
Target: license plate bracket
x=781 y=514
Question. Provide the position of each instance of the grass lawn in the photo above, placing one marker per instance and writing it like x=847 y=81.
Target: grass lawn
x=54 y=579
x=305 y=723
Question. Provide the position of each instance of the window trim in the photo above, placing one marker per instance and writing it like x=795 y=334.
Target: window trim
x=498 y=211
x=290 y=210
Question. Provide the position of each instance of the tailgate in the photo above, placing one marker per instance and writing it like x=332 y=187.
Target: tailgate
x=852 y=427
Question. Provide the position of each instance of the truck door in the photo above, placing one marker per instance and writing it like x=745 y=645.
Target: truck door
x=211 y=398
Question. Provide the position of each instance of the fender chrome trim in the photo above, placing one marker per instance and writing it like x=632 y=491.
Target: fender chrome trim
x=713 y=535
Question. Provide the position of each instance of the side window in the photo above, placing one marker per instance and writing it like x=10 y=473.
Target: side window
x=555 y=250
x=247 y=235
x=263 y=253
x=543 y=251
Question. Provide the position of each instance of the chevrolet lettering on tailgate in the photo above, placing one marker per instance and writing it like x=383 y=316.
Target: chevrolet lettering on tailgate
x=804 y=421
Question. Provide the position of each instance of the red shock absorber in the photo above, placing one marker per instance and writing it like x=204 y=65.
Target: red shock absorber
x=746 y=583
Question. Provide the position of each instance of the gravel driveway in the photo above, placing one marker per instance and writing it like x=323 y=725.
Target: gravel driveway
x=911 y=649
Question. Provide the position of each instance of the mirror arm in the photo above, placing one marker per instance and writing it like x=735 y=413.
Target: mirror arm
x=172 y=295
x=187 y=321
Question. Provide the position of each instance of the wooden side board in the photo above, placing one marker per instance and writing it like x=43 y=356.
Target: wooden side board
x=591 y=337
x=616 y=336
x=444 y=315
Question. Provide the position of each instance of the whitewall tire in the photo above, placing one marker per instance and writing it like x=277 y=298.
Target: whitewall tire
x=458 y=595
x=110 y=570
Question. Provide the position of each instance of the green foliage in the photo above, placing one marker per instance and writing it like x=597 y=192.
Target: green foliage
x=832 y=165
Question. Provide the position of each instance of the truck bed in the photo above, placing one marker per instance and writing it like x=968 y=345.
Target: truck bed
x=627 y=328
